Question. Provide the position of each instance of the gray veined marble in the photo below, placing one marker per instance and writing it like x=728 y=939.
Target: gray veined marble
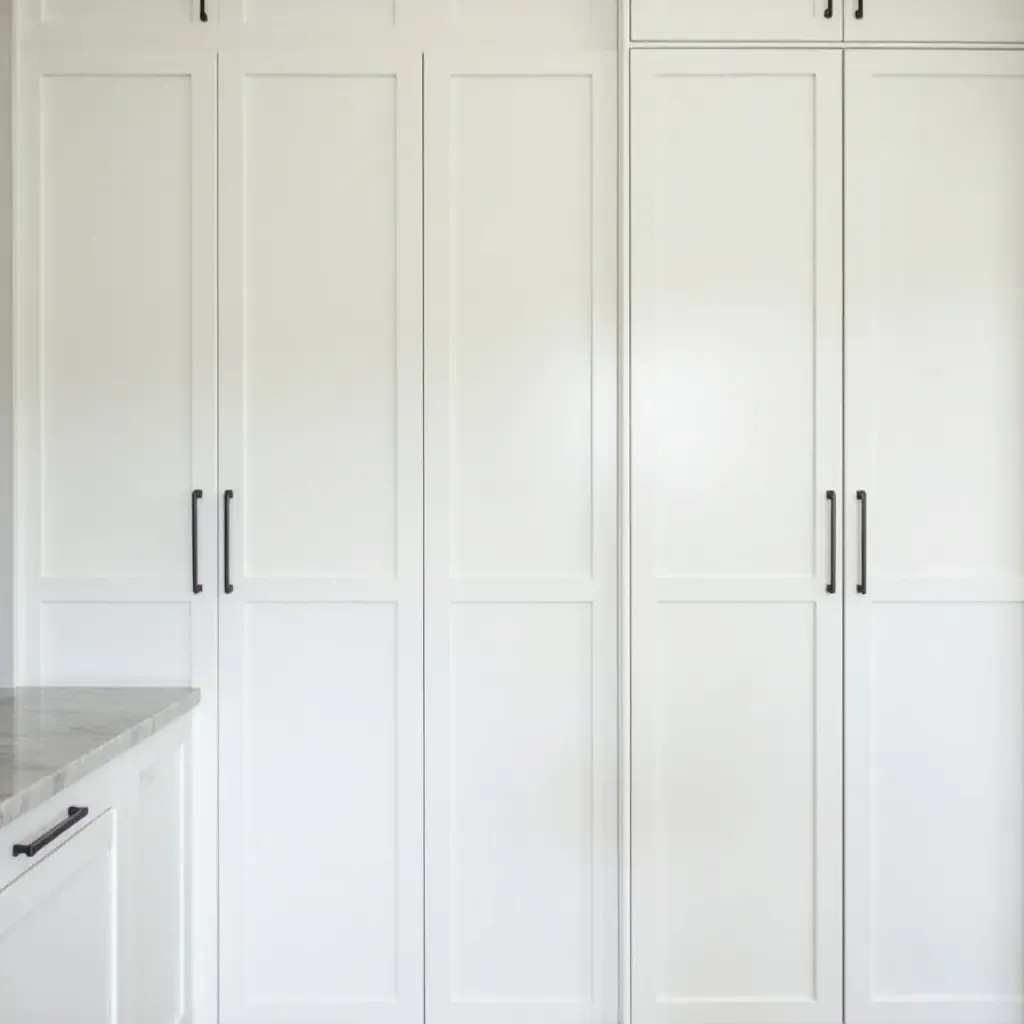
x=51 y=737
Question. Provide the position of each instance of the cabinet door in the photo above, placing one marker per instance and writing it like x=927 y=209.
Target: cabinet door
x=321 y=444
x=966 y=21
x=521 y=513
x=736 y=397
x=935 y=439
x=116 y=369
x=58 y=934
x=111 y=17
x=375 y=21
x=737 y=20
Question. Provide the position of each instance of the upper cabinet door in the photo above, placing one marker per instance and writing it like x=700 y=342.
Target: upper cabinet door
x=321 y=661
x=948 y=21
x=736 y=398
x=165 y=22
x=935 y=440
x=349 y=20
x=737 y=20
x=562 y=24
x=116 y=368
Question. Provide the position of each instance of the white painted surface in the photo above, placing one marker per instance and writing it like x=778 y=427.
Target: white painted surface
x=520 y=561
x=58 y=934
x=160 y=900
x=948 y=21
x=736 y=334
x=736 y=20
x=123 y=13
x=934 y=428
x=6 y=345
x=320 y=439
x=424 y=24
x=585 y=23
x=116 y=373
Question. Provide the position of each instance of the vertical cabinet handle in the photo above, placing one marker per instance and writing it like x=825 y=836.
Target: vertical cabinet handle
x=830 y=497
x=828 y=9
x=203 y=16
x=197 y=587
x=229 y=587
x=862 y=585
x=858 y=12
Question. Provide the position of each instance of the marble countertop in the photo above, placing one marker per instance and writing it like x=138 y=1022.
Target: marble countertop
x=51 y=737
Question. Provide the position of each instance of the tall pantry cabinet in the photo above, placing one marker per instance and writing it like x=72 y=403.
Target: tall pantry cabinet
x=826 y=354
x=317 y=411
x=318 y=406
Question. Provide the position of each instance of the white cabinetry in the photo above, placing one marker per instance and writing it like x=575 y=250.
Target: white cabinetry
x=156 y=888
x=116 y=368
x=737 y=20
x=520 y=542
x=736 y=340
x=59 y=945
x=95 y=925
x=138 y=19
x=935 y=439
x=321 y=670
x=949 y=21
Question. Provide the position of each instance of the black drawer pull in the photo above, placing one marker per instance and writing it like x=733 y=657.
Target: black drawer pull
x=859 y=12
x=828 y=9
x=75 y=815
x=197 y=587
x=203 y=16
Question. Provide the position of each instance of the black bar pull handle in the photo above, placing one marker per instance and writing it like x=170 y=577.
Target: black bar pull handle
x=203 y=16
x=862 y=586
x=858 y=11
x=830 y=497
x=828 y=9
x=75 y=815
x=229 y=587
x=197 y=587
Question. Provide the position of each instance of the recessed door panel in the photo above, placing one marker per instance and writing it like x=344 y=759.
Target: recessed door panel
x=934 y=411
x=321 y=584
x=736 y=614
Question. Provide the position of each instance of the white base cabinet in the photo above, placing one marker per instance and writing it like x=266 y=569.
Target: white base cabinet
x=59 y=936
x=95 y=927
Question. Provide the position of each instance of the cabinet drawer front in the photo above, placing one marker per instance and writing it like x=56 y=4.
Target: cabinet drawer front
x=93 y=793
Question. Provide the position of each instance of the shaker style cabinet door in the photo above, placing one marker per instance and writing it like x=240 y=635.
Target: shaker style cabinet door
x=736 y=409
x=116 y=369
x=112 y=18
x=59 y=956
x=948 y=21
x=321 y=581
x=737 y=20
x=351 y=23
x=521 y=694
x=935 y=576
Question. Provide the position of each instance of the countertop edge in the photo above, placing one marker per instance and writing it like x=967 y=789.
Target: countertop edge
x=43 y=789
